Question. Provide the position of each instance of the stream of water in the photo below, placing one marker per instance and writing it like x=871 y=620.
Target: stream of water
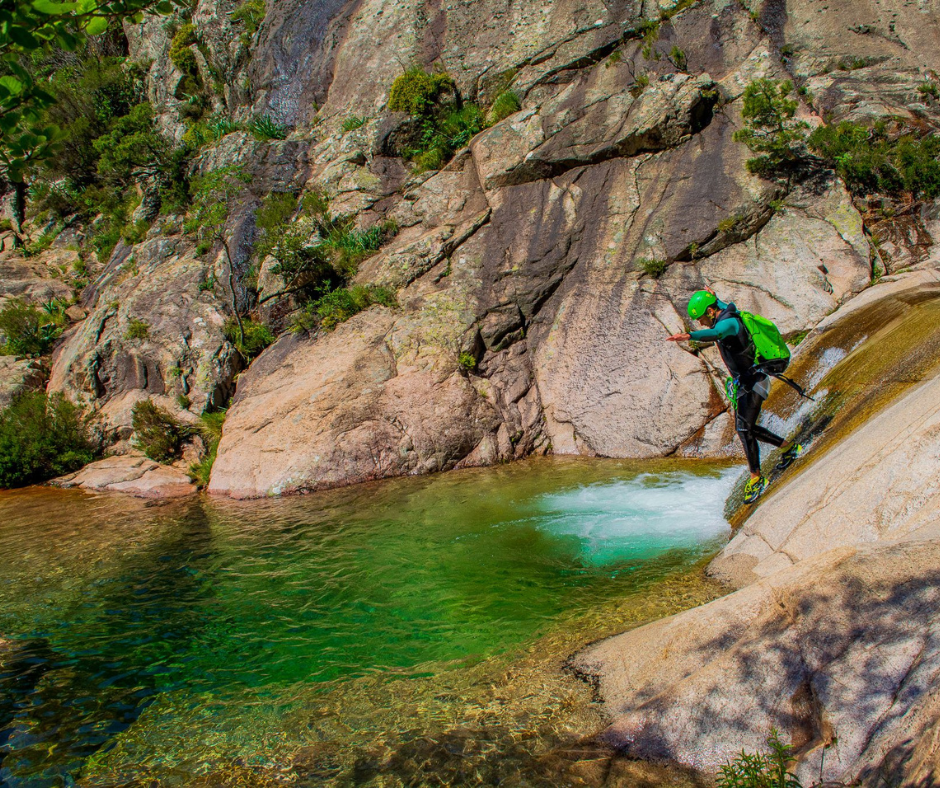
x=313 y=639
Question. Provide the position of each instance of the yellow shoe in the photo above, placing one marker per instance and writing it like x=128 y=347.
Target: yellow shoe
x=754 y=488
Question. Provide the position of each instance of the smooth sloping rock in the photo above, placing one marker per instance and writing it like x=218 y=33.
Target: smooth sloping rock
x=879 y=483
x=346 y=408
x=133 y=474
x=841 y=649
x=31 y=279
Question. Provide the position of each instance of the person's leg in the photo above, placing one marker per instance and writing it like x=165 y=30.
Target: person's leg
x=766 y=436
x=745 y=420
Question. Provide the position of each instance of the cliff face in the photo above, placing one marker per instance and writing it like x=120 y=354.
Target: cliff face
x=526 y=253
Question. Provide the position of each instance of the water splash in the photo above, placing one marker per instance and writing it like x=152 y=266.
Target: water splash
x=638 y=518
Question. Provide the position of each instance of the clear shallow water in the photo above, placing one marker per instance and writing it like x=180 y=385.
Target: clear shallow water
x=163 y=642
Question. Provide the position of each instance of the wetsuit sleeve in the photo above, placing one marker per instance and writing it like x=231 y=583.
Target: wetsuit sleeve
x=728 y=327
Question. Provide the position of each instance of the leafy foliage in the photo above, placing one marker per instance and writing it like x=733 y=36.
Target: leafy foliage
x=137 y=329
x=444 y=133
x=759 y=770
x=251 y=15
x=341 y=304
x=215 y=195
x=352 y=123
x=158 y=434
x=264 y=128
x=253 y=338
x=133 y=148
x=29 y=331
x=467 y=361
x=29 y=30
x=770 y=127
x=210 y=428
x=505 y=104
x=313 y=250
x=417 y=92
x=652 y=267
x=42 y=437
x=204 y=132
x=181 y=49
x=872 y=160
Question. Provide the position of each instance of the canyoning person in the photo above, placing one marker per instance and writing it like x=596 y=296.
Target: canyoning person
x=753 y=351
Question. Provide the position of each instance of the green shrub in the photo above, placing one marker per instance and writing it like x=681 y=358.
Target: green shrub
x=870 y=160
x=181 y=49
x=930 y=89
x=416 y=91
x=347 y=246
x=652 y=267
x=352 y=123
x=137 y=329
x=28 y=331
x=250 y=14
x=205 y=132
x=40 y=438
x=264 y=128
x=257 y=336
x=678 y=59
x=443 y=134
x=210 y=428
x=770 y=127
x=157 y=433
x=339 y=305
x=642 y=83
x=135 y=232
x=506 y=104
x=467 y=361
x=760 y=770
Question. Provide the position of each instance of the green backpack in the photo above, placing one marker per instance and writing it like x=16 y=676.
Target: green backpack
x=768 y=344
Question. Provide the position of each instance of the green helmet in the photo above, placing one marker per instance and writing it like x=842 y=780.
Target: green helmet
x=699 y=302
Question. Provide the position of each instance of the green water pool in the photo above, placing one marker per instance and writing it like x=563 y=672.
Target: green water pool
x=161 y=644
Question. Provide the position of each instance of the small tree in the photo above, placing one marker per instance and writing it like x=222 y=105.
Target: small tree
x=215 y=196
x=770 y=127
x=28 y=29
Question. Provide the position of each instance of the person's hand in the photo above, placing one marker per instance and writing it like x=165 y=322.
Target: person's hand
x=678 y=338
x=707 y=289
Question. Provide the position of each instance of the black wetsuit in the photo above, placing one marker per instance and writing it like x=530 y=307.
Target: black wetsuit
x=737 y=351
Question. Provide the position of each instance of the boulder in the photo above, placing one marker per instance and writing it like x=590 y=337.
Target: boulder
x=352 y=406
x=133 y=474
x=18 y=375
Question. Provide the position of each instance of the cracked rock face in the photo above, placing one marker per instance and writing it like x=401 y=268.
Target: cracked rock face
x=153 y=331
x=526 y=254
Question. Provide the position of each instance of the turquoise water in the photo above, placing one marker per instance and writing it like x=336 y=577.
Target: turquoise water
x=165 y=641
